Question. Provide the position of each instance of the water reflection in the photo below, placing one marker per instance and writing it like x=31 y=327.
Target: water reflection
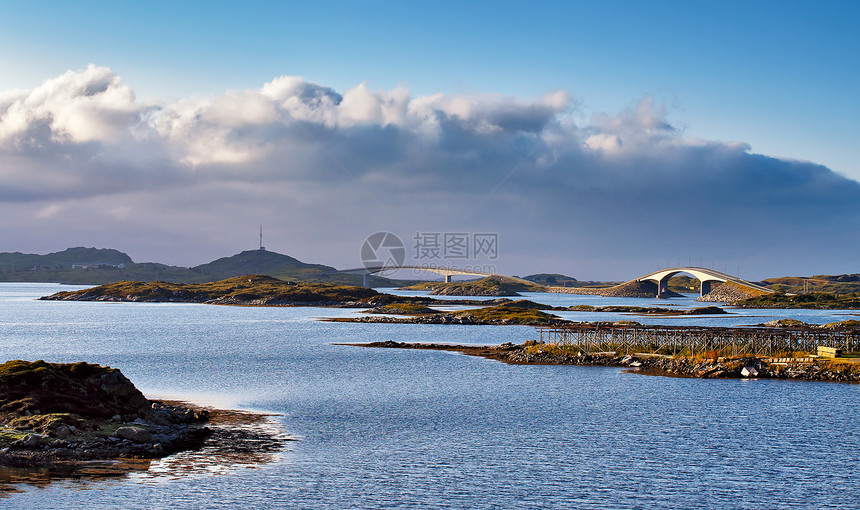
x=240 y=439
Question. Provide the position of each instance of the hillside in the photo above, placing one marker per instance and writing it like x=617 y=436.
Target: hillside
x=92 y=266
x=552 y=279
x=258 y=262
x=813 y=301
x=832 y=284
x=65 y=259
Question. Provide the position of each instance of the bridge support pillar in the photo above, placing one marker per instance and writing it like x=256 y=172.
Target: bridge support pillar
x=447 y=278
x=366 y=282
x=662 y=285
x=704 y=288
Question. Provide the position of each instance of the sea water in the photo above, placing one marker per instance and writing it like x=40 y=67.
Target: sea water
x=388 y=428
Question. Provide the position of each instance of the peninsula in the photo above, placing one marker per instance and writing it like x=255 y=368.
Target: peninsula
x=535 y=353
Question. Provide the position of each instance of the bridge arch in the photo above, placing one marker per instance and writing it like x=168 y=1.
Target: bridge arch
x=705 y=276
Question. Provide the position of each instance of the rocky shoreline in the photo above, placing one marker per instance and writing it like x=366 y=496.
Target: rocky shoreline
x=445 y=318
x=509 y=313
x=167 y=430
x=530 y=353
x=61 y=418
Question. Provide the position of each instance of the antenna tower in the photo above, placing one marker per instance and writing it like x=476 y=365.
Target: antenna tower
x=262 y=248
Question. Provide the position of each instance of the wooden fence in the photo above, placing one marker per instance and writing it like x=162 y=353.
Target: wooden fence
x=735 y=341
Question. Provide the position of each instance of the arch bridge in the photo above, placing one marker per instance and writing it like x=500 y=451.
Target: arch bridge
x=705 y=276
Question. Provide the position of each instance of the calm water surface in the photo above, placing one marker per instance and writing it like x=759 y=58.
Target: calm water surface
x=422 y=429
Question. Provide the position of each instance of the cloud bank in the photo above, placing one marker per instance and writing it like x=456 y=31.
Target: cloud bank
x=82 y=161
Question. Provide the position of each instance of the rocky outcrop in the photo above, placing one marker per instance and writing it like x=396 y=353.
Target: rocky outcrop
x=634 y=288
x=532 y=353
x=452 y=318
x=78 y=388
x=730 y=292
x=79 y=411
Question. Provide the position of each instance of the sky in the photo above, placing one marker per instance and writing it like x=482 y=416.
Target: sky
x=602 y=140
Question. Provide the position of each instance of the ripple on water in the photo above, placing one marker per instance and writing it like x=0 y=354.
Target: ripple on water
x=386 y=428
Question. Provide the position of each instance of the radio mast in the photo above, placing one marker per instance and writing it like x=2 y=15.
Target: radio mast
x=262 y=248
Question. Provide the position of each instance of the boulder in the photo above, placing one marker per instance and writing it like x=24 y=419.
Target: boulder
x=749 y=372
x=63 y=431
x=85 y=389
x=135 y=434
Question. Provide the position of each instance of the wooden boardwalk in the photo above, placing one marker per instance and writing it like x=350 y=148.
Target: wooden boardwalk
x=693 y=340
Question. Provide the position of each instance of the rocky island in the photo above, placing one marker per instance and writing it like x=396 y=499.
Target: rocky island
x=535 y=353
x=250 y=290
x=812 y=300
x=261 y=290
x=505 y=312
x=490 y=286
x=69 y=414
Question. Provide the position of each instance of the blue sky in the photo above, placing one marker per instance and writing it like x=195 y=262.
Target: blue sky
x=780 y=76
x=505 y=84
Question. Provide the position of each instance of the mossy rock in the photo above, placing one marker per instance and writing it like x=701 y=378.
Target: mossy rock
x=490 y=286
x=523 y=304
x=248 y=289
x=785 y=323
x=506 y=314
x=56 y=390
x=847 y=324
x=404 y=309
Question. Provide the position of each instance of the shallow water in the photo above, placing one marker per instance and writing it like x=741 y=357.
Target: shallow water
x=385 y=428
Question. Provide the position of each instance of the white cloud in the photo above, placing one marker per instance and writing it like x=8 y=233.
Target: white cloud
x=79 y=107
x=603 y=142
x=301 y=153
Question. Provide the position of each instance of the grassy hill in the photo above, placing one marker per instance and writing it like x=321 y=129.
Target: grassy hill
x=560 y=280
x=831 y=284
x=814 y=300
x=258 y=262
x=552 y=279
x=91 y=266
x=65 y=259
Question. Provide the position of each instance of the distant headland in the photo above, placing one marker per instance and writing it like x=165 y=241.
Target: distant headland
x=93 y=266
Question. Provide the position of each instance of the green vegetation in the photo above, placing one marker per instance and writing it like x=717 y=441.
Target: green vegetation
x=9 y=435
x=786 y=323
x=100 y=266
x=682 y=284
x=524 y=304
x=404 y=309
x=45 y=397
x=248 y=290
x=552 y=279
x=847 y=324
x=552 y=349
x=489 y=286
x=509 y=313
x=732 y=292
x=63 y=260
x=815 y=300
x=280 y=266
x=838 y=284
x=257 y=261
